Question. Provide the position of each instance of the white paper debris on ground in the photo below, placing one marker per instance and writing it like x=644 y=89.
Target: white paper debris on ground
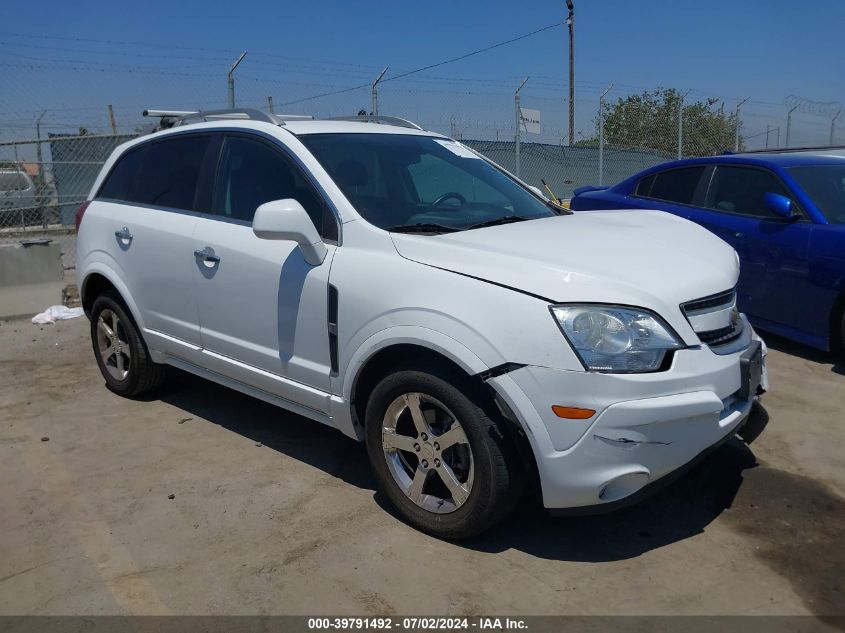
x=57 y=313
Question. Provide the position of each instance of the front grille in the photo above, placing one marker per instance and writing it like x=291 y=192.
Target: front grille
x=701 y=314
x=702 y=305
x=722 y=336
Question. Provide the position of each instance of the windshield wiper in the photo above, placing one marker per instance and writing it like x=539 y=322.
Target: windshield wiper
x=422 y=227
x=506 y=219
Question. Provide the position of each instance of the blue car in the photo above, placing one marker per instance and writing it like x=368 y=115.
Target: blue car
x=783 y=212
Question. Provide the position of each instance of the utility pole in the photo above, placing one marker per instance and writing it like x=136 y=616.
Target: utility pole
x=570 y=21
x=681 y=123
x=518 y=122
x=833 y=125
x=112 y=121
x=375 y=91
x=601 y=133
x=777 y=141
x=736 y=123
x=230 y=79
x=767 y=136
x=270 y=105
x=789 y=123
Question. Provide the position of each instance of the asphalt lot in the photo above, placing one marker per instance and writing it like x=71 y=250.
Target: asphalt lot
x=274 y=514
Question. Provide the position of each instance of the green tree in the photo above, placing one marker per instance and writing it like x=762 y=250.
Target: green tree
x=650 y=121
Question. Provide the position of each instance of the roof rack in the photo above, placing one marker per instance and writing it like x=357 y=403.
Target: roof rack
x=377 y=118
x=173 y=118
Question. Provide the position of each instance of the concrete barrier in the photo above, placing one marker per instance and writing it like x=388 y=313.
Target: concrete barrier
x=31 y=277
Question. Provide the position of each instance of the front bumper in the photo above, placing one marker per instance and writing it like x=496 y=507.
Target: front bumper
x=646 y=425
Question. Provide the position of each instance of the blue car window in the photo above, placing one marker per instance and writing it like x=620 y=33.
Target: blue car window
x=673 y=185
x=741 y=190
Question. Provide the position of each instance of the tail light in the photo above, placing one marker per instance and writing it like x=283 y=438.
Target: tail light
x=80 y=212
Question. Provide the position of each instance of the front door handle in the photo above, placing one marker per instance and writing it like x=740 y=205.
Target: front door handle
x=207 y=255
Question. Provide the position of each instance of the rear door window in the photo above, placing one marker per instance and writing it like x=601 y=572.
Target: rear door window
x=676 y=185
x=170 y=172
x=740 y=190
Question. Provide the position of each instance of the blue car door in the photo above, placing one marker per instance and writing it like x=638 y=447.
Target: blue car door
x=774 y=286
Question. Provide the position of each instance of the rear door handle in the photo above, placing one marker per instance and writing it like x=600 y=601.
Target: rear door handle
x=123 y=234
x=207 y=254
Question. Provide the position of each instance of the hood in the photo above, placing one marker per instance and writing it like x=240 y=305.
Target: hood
x=648 y=259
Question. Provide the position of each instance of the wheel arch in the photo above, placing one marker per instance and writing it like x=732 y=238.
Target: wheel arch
x=99 y=279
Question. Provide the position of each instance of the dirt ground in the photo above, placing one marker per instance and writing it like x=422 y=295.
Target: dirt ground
x=274 y=514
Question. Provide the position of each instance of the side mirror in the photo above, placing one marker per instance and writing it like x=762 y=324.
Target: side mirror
x=287 y=220
x=780 y=205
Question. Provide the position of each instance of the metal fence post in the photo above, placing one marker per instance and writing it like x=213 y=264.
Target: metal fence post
x=789 y=123
x=736 y=123
x=270 y=105
x=518 y=116
x=230 y=79
x=601 y=133
x=375 y=91
x=681 y=124
x=833 y=125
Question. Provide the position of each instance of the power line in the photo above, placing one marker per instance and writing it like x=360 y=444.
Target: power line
x=430 y=66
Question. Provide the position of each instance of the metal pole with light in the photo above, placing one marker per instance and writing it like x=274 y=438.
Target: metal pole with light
x=230 y=79
x=601 y=133
x=736 y=123
x=789 y=123
x=518 y=115
x=375 y=91
x=570 y=22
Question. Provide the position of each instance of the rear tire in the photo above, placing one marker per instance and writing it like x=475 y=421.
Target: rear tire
x=438 y=454
x=122 y=355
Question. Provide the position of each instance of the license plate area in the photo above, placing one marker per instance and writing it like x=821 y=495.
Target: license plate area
x=751 y=370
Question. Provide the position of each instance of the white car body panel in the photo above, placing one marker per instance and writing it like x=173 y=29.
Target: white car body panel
x=257 y=321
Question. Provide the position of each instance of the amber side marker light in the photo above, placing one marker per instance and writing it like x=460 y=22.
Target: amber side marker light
x=572 y=413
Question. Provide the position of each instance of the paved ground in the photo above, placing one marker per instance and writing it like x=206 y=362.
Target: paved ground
x=276 y=514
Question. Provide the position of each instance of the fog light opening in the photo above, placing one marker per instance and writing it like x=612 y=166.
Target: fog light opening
x=623 y=486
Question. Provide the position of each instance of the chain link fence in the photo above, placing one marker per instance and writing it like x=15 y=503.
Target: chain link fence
x=53 y=140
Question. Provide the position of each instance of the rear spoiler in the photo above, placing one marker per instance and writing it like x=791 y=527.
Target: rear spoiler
x=586 y=189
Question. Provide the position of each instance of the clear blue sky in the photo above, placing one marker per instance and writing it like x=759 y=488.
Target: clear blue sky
x=765 y=49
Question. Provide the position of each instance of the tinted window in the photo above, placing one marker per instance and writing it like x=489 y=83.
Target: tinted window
x=253 y=172
x=676 y=185
x=644 y=186
x=119 y=181
x=740 y=190
x=170 y=171
x=825 y=185
x=398 y=180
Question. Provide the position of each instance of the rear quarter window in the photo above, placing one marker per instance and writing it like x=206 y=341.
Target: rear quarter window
x=119 y=181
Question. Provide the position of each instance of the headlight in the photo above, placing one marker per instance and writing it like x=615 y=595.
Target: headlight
x=614 y=339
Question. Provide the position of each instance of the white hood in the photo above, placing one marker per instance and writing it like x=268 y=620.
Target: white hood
x=648 y=259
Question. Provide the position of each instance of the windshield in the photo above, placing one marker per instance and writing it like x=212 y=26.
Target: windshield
x=825 y=185
x=434 y=185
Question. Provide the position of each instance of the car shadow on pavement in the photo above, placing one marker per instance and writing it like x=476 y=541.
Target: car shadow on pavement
x=837 y=365
x=294 y=435
x=679 y=511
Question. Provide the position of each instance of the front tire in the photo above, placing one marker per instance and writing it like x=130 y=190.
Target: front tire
x=438 y=455
x=121 y=353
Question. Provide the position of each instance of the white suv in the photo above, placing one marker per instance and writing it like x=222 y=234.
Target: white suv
x=397 y=286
